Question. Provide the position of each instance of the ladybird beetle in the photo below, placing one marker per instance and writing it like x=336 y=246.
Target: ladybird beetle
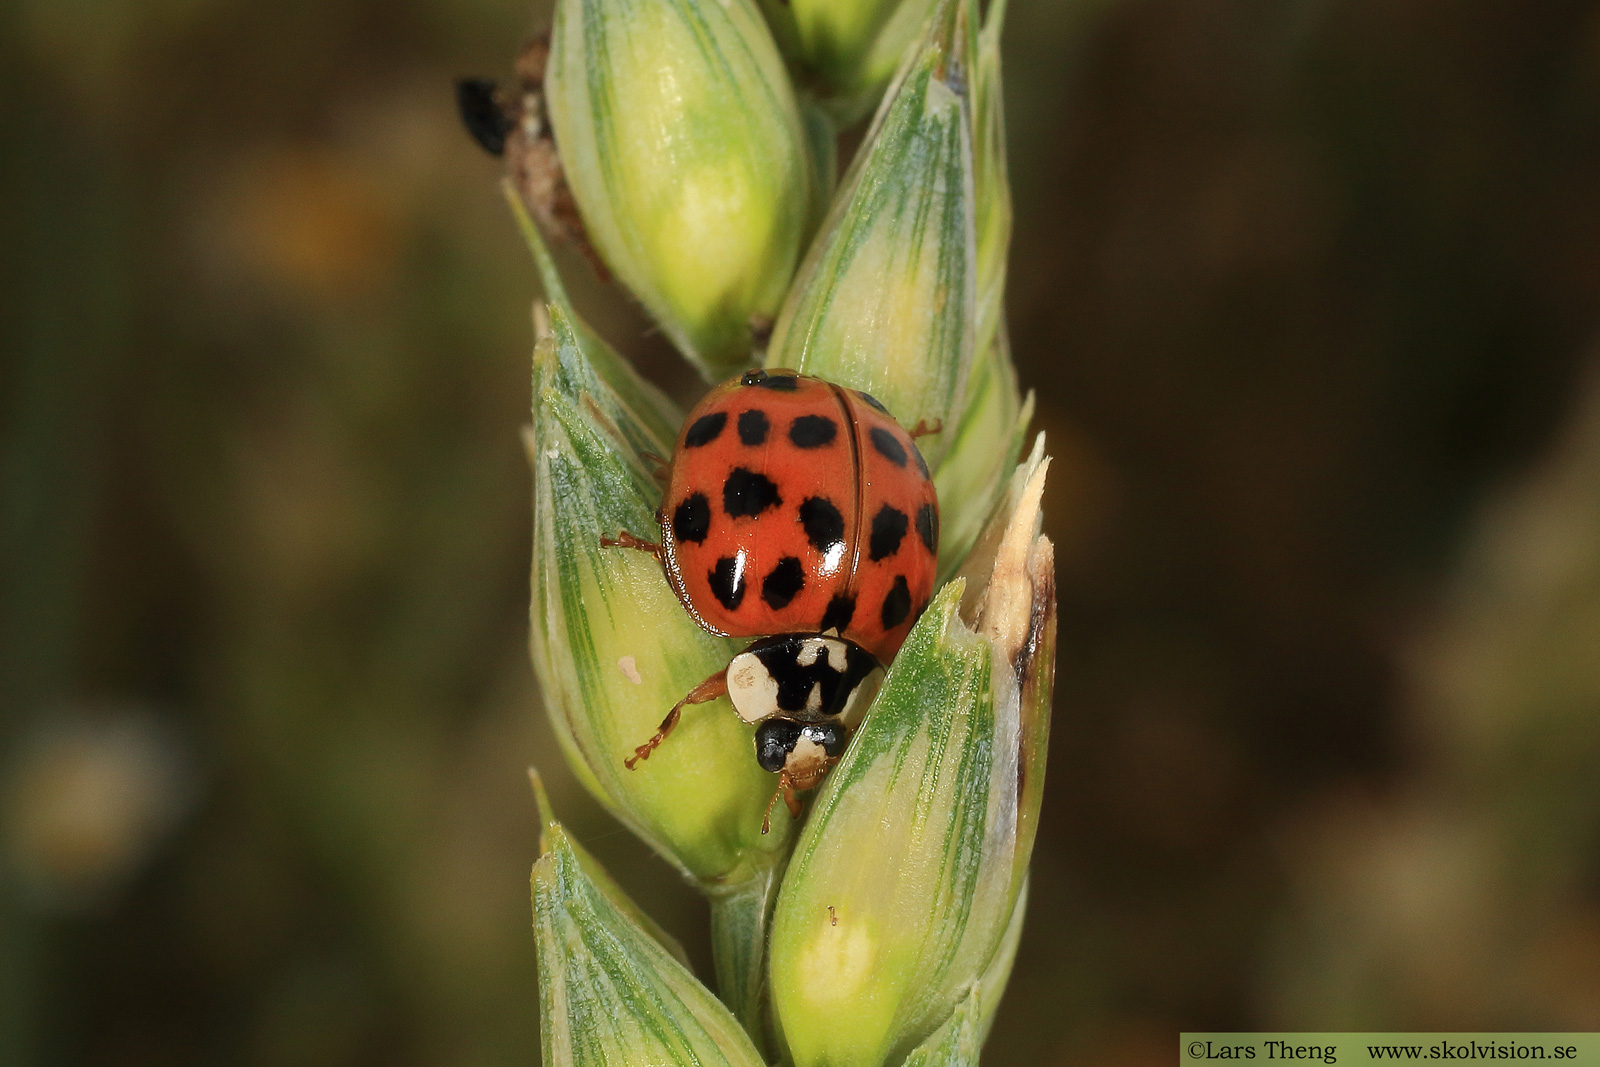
x=798 y=512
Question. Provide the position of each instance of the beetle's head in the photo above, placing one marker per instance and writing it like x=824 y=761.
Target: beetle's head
x=804 y=750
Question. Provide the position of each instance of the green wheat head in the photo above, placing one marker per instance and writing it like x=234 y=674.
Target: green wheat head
x=698 y=140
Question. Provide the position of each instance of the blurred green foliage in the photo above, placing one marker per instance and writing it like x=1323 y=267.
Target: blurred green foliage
x=1296 y=282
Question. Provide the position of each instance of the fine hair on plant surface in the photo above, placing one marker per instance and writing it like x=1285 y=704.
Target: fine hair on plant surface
x=688 y=148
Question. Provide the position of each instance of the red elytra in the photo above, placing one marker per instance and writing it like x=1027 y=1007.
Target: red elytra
x=794 y=505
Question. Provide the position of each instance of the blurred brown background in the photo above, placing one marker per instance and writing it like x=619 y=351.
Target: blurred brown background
x=1307 y=289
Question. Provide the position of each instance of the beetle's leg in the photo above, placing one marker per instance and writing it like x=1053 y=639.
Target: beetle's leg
x=786 y=787
x=658 y=466
x=624 y=539
x=923 y=428
x=710 y=689
x=783 y=787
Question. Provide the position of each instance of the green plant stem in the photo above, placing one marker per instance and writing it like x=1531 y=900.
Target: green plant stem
x=739 y=917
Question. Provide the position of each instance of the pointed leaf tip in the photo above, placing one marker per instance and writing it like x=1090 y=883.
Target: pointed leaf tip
x=555 y=292
x=541 y=799
x=611 y=996
x=553 y=838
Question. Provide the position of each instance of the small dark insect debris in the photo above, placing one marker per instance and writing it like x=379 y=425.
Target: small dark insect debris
x=484 y=113
x=528 y=144
x=833 y=919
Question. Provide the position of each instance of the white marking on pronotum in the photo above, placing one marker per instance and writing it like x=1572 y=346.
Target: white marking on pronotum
x=752 y=688
x=813 y=647
x=630 y=670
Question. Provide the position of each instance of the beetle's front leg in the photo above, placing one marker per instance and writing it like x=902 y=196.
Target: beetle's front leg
x=710 y=689
x=790 y=799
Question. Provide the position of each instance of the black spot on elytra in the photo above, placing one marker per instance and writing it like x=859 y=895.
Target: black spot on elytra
x=785 y=383
x=706 y=428
x=727 y=584
x=812 y=431
x=928 y=527
x=748 y=493
x=840 y=611
x=888 y=530
x=897 y=605
x=783 y=582
x=691 y=520
x=888 y=446
x=752 y=427
x=824 y=525
x=874 y=401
